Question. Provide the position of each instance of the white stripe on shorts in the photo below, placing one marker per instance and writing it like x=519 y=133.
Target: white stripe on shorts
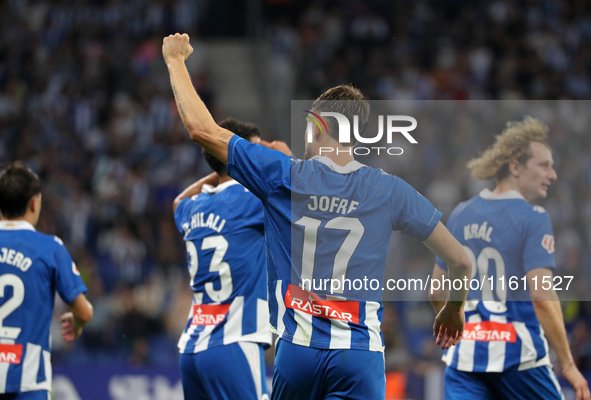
x=252 y=353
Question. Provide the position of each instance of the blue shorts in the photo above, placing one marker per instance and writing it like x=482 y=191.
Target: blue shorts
x=229 y=372
x=305 y=373
x=33 y=395
x=535 y=383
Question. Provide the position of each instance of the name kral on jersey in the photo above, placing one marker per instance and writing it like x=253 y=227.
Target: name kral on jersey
x=297 y=298
x=198 y=220
x=475 y=231
x=332 y=204
x=489 y=331
x=15 y=258
x=209 y=314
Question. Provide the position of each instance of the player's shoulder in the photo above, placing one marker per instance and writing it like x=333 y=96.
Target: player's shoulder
x=379 y=181
x=513 y=203
x=463 y=207
x=231 y=194
x=520 y=208
x=385 y=182
x=54 y=242
x=49 y=245
x=535 y=214
x=45 y=239
x=234 y=190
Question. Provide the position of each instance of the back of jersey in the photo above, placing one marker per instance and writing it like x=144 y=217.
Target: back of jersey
x=223 y=232
x=505 y=237
x=342 y=219
x=32 y=267
x=327 y=231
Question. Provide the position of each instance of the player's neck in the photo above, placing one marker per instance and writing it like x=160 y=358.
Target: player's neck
x=28 y=217
x=505 y=186
x=342 y=156
x=224 y=178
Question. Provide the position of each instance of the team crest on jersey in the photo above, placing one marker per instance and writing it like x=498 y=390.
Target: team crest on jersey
x=489 y=331
x=298 y=299
x=548 y=243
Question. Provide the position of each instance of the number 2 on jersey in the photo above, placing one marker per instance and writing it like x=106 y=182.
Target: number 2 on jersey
x=220 y=244
x=18 y=295
x=480 y=265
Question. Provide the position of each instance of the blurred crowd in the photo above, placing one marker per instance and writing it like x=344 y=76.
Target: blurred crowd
x=455 y=49
x=85 y=101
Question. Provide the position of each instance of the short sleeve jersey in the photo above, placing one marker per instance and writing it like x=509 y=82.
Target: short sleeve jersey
x=223 y=231
x=32 y=267
x=505 y=237
x=324 y=224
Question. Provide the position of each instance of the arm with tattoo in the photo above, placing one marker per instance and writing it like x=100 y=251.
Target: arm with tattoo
x=196 y=118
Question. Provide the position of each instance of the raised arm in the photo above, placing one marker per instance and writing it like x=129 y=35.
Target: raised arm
x=196 y=118
x=195 y=188
x=449 y=323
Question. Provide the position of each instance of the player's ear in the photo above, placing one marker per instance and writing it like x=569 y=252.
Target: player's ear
x=514 y=168
x=32 y=204
x=35 y=203
x=317 y=134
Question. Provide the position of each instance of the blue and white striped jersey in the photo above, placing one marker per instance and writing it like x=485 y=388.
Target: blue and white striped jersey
x=32 y=267
x=223 y=231
x=505 y=237
x=326 y=225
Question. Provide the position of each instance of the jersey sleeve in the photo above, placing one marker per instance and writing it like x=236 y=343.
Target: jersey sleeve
x=451 y=226
x=411 y=212
x=538 y=251
x=259 y=169
x=180 y=213
x=252 y=209
x=68 y=281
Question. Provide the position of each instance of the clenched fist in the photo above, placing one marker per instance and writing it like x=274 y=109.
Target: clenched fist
x=176 y=47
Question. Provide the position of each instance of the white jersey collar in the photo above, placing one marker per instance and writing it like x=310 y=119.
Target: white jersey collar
x=216 y=189
x=347 y=169
x=508 y=195
x=16 y=226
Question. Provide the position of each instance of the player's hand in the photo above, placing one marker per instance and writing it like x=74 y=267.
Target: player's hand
x=70 y=331
x=277 y=145
x=578 y=382
x=176 y=47
x=449 y=326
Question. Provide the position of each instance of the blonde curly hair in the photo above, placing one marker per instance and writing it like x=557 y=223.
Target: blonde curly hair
x=512 y=144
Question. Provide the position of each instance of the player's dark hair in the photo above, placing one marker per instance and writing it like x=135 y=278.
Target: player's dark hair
x=18 y=185
x=346 y=100
x=243 y=129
